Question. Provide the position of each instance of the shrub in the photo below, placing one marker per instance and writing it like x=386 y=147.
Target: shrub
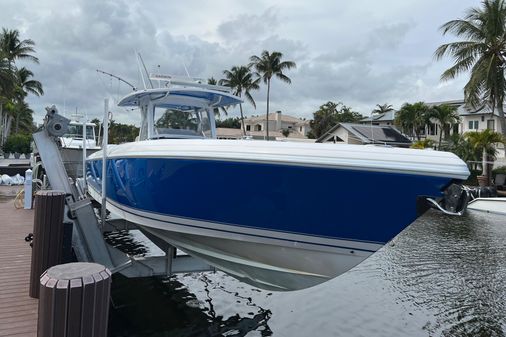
x=423 y=144
x=17 y=143
x=499 y=170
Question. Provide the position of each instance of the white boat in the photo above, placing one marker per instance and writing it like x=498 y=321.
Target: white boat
x=488 y=205
x=277 y=215
x=71 y=147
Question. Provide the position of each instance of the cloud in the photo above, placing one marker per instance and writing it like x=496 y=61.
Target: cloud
x=361 y=53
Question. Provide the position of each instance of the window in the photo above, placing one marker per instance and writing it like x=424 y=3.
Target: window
x=300 y=128
x=248 y=127
x=473 y=125
x=258 y=127
x=431 y=129
x=76 y=131
x=491 y=124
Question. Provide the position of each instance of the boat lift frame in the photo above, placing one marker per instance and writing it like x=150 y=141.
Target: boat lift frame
x=87 y=235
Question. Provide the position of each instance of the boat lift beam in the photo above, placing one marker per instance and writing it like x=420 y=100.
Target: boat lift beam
x=87 y=237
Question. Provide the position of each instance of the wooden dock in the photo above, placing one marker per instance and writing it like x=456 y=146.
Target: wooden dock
x=18 y=311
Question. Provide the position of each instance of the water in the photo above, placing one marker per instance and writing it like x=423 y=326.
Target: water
x=443 y=276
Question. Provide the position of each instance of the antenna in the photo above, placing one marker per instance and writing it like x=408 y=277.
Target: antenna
x=186 y=70
x=140 y=70
x=145 y=70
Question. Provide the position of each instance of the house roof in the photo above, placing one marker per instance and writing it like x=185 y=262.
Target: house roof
x=369 y=134
x=237 y=133
x=465 y=110
x=381 y=117
x=455 y=102
x=272 y=117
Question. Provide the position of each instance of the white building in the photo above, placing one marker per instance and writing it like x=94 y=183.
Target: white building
x=277 y=123
x=470 y=120
x=380 y=119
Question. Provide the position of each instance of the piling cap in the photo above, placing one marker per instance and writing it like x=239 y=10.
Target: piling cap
x=69 y=271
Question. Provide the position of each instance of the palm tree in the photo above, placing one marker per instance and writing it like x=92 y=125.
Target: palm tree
x=482 y=52
x=447 y=116
x=27 y=85
x=240 y=80
x=412 y=118
x=268 y=65
x=484 y=142
x=213 y=81
x=7 y=77
x=382 y=108
x=23 y=117
x=14 y=48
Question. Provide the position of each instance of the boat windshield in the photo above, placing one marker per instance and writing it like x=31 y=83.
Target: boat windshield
x=76 y=131
x=171 y=123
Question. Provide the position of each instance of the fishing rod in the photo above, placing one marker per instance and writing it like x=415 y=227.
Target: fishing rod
x=117 y=77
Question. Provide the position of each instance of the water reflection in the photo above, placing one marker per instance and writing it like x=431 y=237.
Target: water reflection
x=165 y=307
x=454 y=267
x=443 y=276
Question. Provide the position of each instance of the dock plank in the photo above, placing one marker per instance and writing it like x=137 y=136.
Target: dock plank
x=18 y=311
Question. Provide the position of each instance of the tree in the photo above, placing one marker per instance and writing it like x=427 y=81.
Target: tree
x=412 y=118
x=330 y=114
x=15 y=84
x=268 y=65
x=461 y=146
x=14 y=48
x=233 y=123
x=382 y=108
x=484 y=142
x=122 y=133
x=177 y=119
x=240 y=80
x=447 y=116
x=23 y=117
x=213 y=81
x=482 y=52
x=26 y=85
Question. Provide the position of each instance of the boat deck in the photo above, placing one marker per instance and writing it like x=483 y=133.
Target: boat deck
x=18 y=311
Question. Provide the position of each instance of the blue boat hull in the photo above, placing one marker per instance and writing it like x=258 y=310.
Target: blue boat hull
x=343 y=204
x=276 y=226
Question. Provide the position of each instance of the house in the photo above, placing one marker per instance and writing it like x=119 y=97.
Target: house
x=381 y=119
x=470 y=119
x=351 y=133
x=229 y=133
x=256 y=126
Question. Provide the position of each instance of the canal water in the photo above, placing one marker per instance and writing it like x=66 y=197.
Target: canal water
x=442 y=276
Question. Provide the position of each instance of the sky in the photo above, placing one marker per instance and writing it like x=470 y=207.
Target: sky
x=360 y=53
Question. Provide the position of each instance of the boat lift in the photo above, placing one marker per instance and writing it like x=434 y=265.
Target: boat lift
x=88 y=240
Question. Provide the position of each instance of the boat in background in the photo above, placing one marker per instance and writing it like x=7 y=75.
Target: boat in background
x=71 y=147
x=276 y=215
x=495 y=205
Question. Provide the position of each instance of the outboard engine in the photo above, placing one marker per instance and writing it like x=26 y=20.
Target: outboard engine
x=455 y=198
x=454 y=201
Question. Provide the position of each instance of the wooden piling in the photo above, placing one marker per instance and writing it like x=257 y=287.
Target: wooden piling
x=47 y=235
x=74 y=300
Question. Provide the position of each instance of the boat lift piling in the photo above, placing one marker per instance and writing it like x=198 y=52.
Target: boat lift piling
x=105 y=140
